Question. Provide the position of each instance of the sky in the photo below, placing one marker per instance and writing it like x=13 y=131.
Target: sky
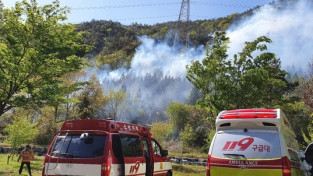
x=148 y=12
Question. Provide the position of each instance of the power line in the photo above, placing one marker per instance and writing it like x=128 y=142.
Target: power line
x=163 y=4
x=126 y=6
x=221 y=5
x=143 y=18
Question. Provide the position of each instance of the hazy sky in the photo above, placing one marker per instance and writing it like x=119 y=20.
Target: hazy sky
x=148 y=11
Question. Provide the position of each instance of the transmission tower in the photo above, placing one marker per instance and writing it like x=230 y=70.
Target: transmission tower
x=184 y=14
x=182 y=34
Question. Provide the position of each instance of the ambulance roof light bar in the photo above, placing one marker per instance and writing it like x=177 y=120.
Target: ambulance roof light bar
x=249 y=114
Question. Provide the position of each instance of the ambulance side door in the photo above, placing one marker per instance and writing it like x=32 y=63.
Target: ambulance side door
x=161 y=162
x=148 y=152
x=133 y=154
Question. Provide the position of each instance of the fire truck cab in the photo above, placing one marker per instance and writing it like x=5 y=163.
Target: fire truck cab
x=105 y=148
x=254 y=142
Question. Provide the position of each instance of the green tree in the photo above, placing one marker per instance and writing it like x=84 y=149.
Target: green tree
x=179 y=116
x=91 y=100
x=20 y=131
x=46 y=125
x=36 y=50
x=115 y=99
x=247 y=81
x=160 y=131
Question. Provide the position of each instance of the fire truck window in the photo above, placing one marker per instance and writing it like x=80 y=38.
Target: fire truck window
x=72 y=146
x=131 y=145
x=156 y=148
x=117 y=146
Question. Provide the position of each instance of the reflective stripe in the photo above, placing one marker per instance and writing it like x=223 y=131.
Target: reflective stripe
x=26 y=156
x=162 y=167
x=224 y=171
x=72 y=169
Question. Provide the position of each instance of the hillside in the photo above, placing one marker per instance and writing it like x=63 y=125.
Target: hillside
x=115 y=44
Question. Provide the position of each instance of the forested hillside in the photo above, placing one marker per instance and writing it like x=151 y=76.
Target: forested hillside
x=114 y=44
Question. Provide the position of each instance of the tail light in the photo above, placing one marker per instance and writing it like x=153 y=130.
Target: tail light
x=286 y=166
x=106 y=166
x=208 y=173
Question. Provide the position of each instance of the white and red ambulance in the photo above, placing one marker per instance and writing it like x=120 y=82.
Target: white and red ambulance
x=105 y=148
x=254 y=142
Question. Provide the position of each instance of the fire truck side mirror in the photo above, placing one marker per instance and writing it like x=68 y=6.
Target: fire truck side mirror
x=164 y=152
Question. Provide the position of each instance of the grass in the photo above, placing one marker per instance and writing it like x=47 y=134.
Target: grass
x=188 y=170
x=12 y=168
x=36 y=165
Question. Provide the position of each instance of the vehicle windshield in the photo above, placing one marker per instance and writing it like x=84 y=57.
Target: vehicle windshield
x=253 y=144
x=78 y=146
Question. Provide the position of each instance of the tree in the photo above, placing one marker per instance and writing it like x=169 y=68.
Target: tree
x=179 y=116
x=91 y=99
x=20 y=131
x=246 y=81
x=115 y=99
x=160 y=131
x=36 y=50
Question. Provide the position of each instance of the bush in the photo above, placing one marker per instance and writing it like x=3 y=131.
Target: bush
x=161 y=131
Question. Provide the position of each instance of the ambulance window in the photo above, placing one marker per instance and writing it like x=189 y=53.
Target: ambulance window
x=73 y=146
x=117 y=146
x=156 y=148
x=252 y=144
x=145 y=145
x=131 y=146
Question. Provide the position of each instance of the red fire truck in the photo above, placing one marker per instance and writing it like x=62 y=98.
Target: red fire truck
x=105 y=148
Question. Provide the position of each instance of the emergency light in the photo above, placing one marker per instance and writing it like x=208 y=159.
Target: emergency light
x=69 y=125
x=249 y=114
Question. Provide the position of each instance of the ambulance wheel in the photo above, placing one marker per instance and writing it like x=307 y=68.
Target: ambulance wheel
x=169 y=173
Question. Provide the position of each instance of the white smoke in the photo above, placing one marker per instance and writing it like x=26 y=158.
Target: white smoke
x=151 y=56
x=156 y=77
x=289 y=25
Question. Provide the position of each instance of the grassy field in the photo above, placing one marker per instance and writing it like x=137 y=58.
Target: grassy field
x=13 y=167
x=188 y=170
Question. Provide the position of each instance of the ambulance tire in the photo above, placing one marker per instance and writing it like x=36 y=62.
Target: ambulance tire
x=169 y=173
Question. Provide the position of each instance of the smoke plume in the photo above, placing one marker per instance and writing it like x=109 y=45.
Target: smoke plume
x=156 y=78
x=288 y=24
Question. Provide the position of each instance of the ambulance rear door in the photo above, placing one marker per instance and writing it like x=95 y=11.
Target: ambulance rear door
x=246 y=152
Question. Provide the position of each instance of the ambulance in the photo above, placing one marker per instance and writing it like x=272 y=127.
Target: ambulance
x=254 y=142
x=105 y=148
